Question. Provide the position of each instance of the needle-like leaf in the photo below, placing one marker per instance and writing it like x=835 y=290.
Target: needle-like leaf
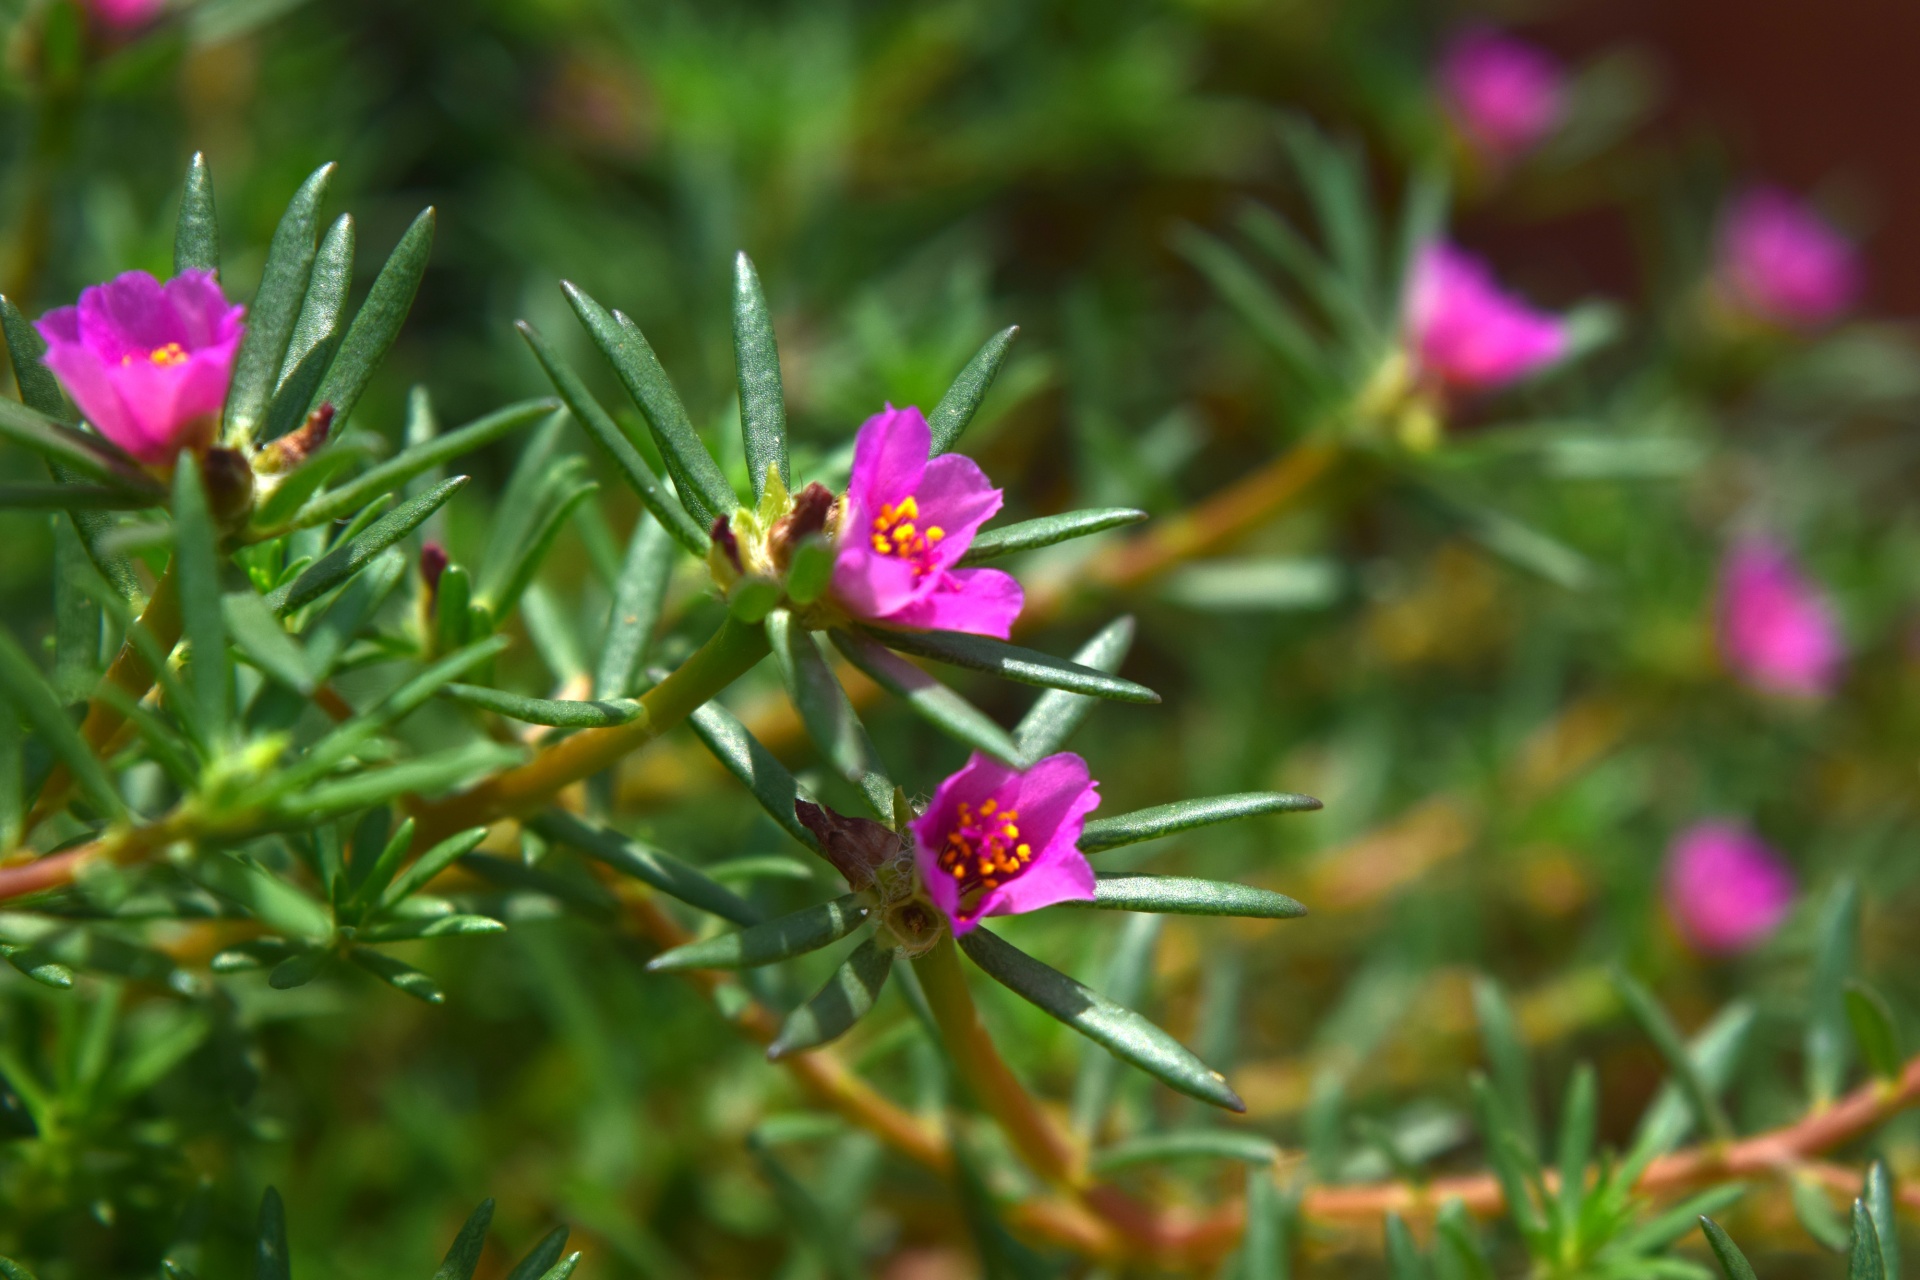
x=274 y=309
x=196 y=236
x=927 y=697
x=846 y=998
x=775 y=940
x=1181 y=895
x=377 y=323
x=763 y=408
x=1187 y=815
x=1030 y=535
x=1011 y=662
x=969 y=390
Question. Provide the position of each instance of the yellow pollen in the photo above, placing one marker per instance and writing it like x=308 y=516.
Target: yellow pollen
x=896 y=533
x=984 y=850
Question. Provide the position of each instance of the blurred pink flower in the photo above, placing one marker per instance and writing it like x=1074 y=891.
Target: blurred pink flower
x=1466 y=332
x=126 y=15
x=907 y=521
x=1505 y=95
x=148 y=363
x=1784 y=263
x=1777 y=632
x=1000 y=841
x=1727 y=889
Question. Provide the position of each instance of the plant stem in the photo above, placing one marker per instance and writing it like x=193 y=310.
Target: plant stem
x=978 y=1062
x=724 y=658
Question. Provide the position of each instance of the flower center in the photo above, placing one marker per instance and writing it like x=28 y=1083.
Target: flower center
x=896 y=534
x=984 y=850
x=171 y=354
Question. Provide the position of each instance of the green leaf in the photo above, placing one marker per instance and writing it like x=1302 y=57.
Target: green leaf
x=36 y=965
x=1510 y=1160
x=271 y=1259
x=969 y=390
x=1579 y=1122
x=1656 y=1234
x=463 y=1257
x=1878 y=1195
x=1334 y=175
x=543 y=1258
x=648 y=865
x=1274 y=320
x=703 y=490
x=1011 y=662
x=1863 y=1259
x=378 y=321
x=263 y=641
x=1403 y=1255
x=550 y=711
x=275 y=307
x=298 y=970
x=1186 y=1144
x=763 y=409
x=355 y=554
x=1458 y=1249
x=1181 y=895
x=1810 y=1206
x=27 y=690
x=397 y=974
x=1187 y=815
x=337 y=504
x=843 y=1001
x=638 y=596
x=599 y=424
x=1666 y=1038
x=1732 y=1262
x=453 y=926
x=197 y=566
x=80 y=452
x=11 y=1270
x=1714 y=1052
x=1827 y=1048
x=1507 y=1060
x=1265 y=1248
x=430 y=864
x=453 y=609
x=196 y=236
x=524 y=562
x=73 y=497
x=1124 y=979
x=426 y=775
x=780 y=939
x=823 y=705
x=825 y=1230
x=1056 y=713
x=1002 y=1257
x=932 y=701
x=1029 y=535
x=562 y=1270
x=1125 y=1033
x=1337 y=297
x=320 y=313
x=1874 y=1031
x=276 y=903
x=1423 y=220
x=747 y=759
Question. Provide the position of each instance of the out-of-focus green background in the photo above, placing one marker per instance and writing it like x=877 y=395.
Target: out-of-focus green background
x=1504 y=751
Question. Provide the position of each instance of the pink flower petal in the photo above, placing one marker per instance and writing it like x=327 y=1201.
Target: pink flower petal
x=1505 y=94
x=1777 y=633
x=1725 y=888
x=1781 y=261
x=1469 y=334
x=982 y=602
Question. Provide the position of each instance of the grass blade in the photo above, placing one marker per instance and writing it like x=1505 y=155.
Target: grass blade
x=357 y=553
x=1181 y=895
x=275 y=307
x=770 y=942
x=969 y=390
x=1029 y=535
x=1123 y=1032
x=1827 y=1050
x=932 y=701
x=763 y=408
x=196 y=235
x=1579 y=1121
x=1056 y=713
x=843 y=1001
x=1187 y=815
x=1011 y=662
x=378 y=321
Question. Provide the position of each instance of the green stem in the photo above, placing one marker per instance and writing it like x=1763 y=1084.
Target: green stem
x=1033 y=1133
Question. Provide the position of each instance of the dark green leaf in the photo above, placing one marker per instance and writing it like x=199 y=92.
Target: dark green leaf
x=1874 y=1032
x=320 y=312
x=1029 y=535
x=271 y=1260
x=562 y=1270
x=809 y=1217
x=36 y=965
x=11 y=1270
x=453 y=926
x=337 y=504
x=297 y=970
x=566 y=715
x=378 y=321
x=275 y=307
x=463 y=1257
x=1002 y=1257
x=1180 y=895
x=1186 y=815
x=1124 y=979
x=1827 y=1048
x=1272 y=318
x=1666 y=1038
x=747 y=759
x=543 y=1257
x=638 y=595
x=1507 y=1060
x=931 y=700
x=1732 y=1261
x=27 y=690
x=426 y=775
x=599 y=424
x=703 y=490
x=519 y=567
x=1124 y=1033
x=279 y=905
x=430 y=864
x=763 y=409
x=1878 y=1195
x=1189 y=1144
x=355 y=554
x=631 y=857
x=843 y=1001
x=398 y=974
x=1265 y=1248
x=197 y=568
x=1715 y=1051
x=1056 y=713
x=1011 y=662
x=964 y=398
x=1403 y=1255
x=73 y=497
x=260 y=638
x=1863 y=1258
x=1512 y=1163
x=1579 y=1122
x=80 y=452
x=822 y=703
x=196 y=236
x=775 y=940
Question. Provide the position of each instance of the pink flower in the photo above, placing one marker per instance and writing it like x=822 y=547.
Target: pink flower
x=1726 y=889
x=126 y=15
x=1468 y=334
x=1785 y=264
x=148 y=363
x=1504 y=94
x=999 y=841
x=907 y=521
x=1777 y=633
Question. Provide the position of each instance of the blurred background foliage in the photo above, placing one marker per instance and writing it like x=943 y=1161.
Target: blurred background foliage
x=1493 y=661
